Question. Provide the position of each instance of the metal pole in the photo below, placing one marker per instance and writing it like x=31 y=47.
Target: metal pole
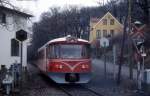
x=142 y=73
x=143 y=64
x=139 y=75
x=21 y=59
x=114 y=59
x=21 y=55
x=13 y=75
x=143 y=67
x=105 y=60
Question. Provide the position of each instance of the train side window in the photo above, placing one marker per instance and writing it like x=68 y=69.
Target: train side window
x=47 y=52
x=57 y=51
x=50 y=52
x=85 y=51
x=54 y=51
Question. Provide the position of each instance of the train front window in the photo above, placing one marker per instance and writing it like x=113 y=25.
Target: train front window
x=69 y=51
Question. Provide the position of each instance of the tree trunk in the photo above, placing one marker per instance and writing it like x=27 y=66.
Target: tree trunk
x=146 y=11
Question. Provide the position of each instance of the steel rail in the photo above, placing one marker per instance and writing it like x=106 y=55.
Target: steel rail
x=80 y=86
x=96 y=93
x=64 y=90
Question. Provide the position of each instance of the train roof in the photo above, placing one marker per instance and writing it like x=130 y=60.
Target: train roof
x=64 y=39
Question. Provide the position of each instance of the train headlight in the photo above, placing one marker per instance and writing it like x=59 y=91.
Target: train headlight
x=59 y=66
x=85 y=66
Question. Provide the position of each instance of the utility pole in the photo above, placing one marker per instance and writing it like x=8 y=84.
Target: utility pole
x=121 y=55
x=122 y=49
x=130 y=51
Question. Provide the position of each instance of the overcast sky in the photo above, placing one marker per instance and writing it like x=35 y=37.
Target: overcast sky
x=39 y=6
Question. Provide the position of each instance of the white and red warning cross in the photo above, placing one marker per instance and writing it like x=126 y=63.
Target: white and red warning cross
x=138 y=32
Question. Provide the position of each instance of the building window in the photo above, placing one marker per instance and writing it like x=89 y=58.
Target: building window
x=14 y=47
x=112 y=21
x=3 y=18
x=104 y=33
x=112 y=33
x=98 y=33
x=104 y=21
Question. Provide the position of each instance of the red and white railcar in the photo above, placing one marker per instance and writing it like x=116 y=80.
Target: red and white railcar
x=66 y=60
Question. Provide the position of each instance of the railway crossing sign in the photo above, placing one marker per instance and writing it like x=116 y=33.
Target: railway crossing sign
x=104 y=42
x=138 y=32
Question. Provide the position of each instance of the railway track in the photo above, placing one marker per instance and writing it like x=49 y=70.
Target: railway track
x=43 y=86
x=77 y=90
x=96 y=93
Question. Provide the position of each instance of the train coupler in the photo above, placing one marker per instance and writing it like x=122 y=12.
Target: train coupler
x=72 y=77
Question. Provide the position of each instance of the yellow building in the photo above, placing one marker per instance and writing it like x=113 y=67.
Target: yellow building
x=108 y=25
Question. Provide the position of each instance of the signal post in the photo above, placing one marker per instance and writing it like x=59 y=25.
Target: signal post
x=104 y=42
x=137 y=35
x=21 y=35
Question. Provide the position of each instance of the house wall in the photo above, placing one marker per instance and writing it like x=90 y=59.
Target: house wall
x=14 y=22
x=117 y=27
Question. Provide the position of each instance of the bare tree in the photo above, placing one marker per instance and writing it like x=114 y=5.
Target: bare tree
x=145 y=6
